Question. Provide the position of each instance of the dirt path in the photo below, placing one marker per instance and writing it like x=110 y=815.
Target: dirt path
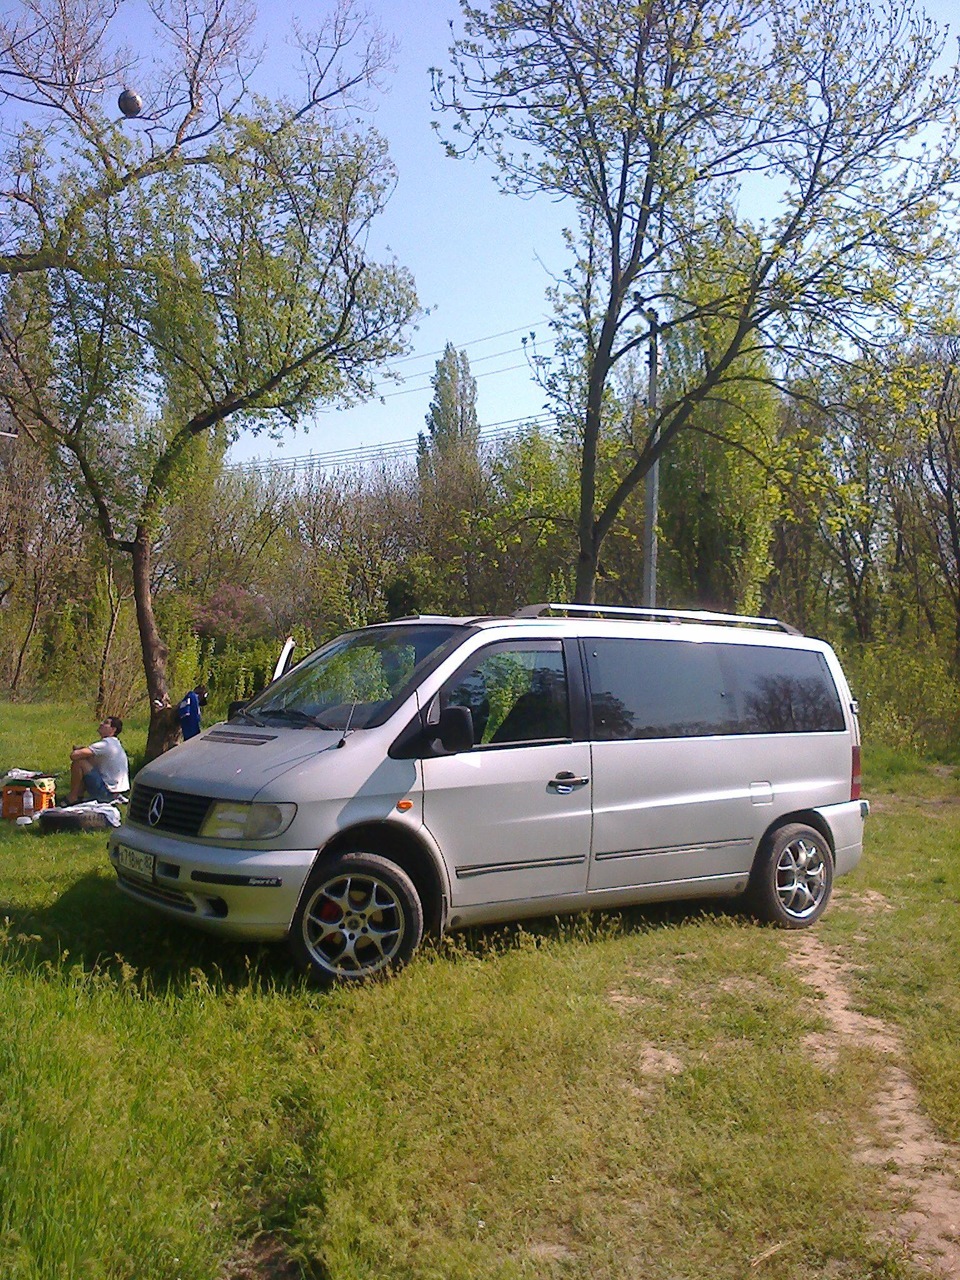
x=924 y=1170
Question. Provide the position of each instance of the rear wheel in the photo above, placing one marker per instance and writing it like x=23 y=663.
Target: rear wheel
x=359 y=916
x=792 y=877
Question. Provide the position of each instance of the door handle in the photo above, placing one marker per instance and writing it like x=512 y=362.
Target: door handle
x=565 y=782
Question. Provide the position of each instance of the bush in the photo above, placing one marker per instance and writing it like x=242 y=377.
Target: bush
x=238 y=672
x=909 y=697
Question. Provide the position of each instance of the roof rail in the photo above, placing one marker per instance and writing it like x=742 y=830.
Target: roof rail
x=653 y=615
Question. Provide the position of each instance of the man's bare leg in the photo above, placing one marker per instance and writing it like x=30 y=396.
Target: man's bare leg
x=78 y=771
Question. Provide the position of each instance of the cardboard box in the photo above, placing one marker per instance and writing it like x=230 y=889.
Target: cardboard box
x=44 y=796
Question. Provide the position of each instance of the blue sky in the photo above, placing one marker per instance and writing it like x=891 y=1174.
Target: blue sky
x=481 y=260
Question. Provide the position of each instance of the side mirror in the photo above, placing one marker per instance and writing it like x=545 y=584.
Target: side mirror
x=455 y=729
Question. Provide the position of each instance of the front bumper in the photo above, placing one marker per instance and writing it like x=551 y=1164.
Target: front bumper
x=237 y=893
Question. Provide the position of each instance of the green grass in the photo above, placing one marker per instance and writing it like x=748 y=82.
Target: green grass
x=40 y=736
x=606 y=1097
x=904 y=941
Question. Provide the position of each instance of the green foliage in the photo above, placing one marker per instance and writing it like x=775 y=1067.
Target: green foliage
x=888 y=769
x=184 y=660
x=235 y=673
x=62 y=642
x=718 y=489
x=14 y=622
x=452 y=421
x=119 y=655
x=653 y=121
x=908 y=695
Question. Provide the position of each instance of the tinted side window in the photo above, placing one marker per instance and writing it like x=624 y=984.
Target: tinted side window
x=516 y=693
x=657 y=689
x=783 y=690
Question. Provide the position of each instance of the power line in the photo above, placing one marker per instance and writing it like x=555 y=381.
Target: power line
x=489 y=373
x=429 y=375
x=462 y=346
x=361 y=455
x=402 y=379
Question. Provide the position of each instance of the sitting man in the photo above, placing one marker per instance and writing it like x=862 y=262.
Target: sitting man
x=100 y=770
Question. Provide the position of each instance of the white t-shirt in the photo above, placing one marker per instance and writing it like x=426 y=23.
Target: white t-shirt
x=111 y=759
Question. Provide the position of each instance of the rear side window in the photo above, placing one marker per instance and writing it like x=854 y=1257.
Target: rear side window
x=657 y=689
x=783 y=690
x=685 y=689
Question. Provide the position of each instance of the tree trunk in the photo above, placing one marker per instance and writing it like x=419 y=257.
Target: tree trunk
x=34 y=619
x=115 y=606
x=590 y=530
x=587 y=541
x=586 y=581
x=164 y=731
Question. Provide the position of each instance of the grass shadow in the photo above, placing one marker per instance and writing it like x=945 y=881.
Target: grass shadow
x=91 y=924
x=482 y=941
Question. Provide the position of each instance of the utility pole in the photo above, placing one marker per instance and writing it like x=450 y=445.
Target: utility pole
x=652 y=493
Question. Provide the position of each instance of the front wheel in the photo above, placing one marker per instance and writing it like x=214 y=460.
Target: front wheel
x=792 y=877
x=359 y=915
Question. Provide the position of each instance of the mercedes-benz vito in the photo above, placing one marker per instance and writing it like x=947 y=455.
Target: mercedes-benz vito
x=438 y=772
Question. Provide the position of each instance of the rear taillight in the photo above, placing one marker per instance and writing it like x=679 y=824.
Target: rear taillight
x=855 y=775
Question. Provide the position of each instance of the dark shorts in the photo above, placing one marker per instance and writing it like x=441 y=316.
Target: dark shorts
x=95 y=786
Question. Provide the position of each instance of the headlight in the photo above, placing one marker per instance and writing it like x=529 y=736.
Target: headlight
x=234 y=820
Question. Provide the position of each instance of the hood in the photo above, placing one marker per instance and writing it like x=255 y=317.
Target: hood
x=237 y=761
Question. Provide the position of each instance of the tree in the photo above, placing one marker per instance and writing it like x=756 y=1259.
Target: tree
x=162 y=295
x=453 y=488
x=840 y=440
x=930 y=480
x=666 y=126
x=41 y=539
x=868 y=544
x=58 y=64
x=452 y=421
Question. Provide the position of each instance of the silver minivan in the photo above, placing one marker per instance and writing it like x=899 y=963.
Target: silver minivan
x=433 y=773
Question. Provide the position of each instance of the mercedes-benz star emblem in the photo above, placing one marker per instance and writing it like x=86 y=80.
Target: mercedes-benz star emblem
x=155 y=811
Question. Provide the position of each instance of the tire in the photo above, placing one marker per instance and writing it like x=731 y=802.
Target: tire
x=792 y=877
x=54 y=821
x=359 y=917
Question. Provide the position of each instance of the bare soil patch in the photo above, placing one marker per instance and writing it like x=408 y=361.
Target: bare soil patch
x=263 y=1258
x=867 y=902
x=922 y=1169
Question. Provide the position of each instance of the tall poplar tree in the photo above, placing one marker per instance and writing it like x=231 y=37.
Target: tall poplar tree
x=451 y=420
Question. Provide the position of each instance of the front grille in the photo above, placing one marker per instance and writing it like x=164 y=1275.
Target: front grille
x=181 y=813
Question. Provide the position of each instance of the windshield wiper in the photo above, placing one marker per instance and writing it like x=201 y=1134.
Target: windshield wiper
x=297 y=716
x=248 y=715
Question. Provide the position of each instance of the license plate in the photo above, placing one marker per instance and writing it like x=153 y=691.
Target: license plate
x=141 y=864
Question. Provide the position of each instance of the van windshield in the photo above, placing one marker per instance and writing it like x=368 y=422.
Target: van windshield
x=355 y=680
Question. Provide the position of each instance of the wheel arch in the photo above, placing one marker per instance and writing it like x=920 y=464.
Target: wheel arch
x=807 y=818
x=403 y=848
